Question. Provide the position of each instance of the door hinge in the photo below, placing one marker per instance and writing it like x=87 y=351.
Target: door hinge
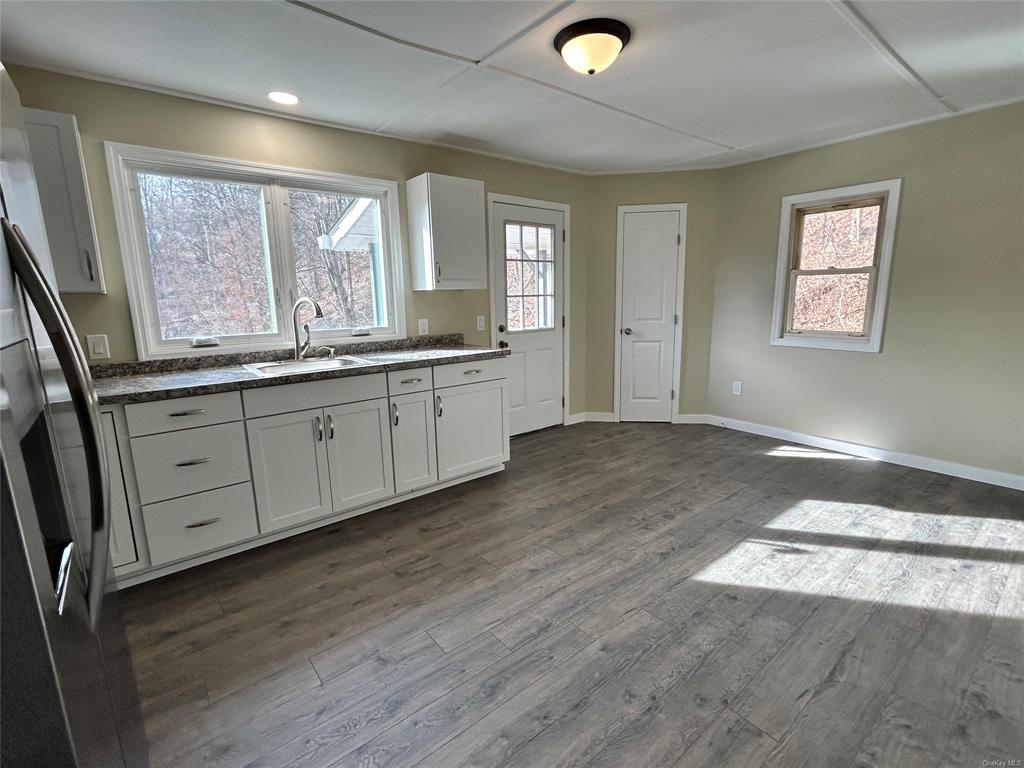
x=563 y=321
x=563 y=402
x=676 y=320
x=679 y=239
x=563 y=235
x=672 y=395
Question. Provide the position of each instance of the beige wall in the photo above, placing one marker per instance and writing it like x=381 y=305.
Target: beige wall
x=949 y=382
x=114 y=113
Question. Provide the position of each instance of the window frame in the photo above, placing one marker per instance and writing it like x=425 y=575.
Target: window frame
x=522 y=261
x=124 y=160
x=794 y=208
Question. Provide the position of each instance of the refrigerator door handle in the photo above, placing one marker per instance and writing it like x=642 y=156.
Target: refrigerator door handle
x=72 y=363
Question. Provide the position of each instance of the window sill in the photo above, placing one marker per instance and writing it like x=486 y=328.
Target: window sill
x=859 y=344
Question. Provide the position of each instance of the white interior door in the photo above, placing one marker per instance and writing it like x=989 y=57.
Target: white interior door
x=527 y=261
x=649 y=285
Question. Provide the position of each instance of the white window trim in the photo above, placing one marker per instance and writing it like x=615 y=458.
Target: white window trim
x=871 y=341
x=124 y=159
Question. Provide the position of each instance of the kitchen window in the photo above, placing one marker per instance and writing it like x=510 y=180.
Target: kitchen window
x=216 y=252
x=835 y=254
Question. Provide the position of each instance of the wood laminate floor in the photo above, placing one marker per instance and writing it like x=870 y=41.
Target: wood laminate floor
x=622 y=596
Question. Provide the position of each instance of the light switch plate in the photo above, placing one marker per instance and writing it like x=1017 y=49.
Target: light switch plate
x=98 y=346
x=423 y=326
x=481 y=322
x=737 y=388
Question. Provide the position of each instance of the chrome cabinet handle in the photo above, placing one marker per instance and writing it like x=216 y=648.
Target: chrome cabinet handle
x=628 y=331
x=83 y=396
x=203 y=523
x=438 y=408
x=191 y=412
x=411 y=381
x=88 y=264
x=330 y=427
x=319 y=430
x=394 y=413
x=472 y=372
x=193 y=462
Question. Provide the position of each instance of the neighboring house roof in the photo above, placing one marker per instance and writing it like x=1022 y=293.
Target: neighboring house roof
x=357 y=228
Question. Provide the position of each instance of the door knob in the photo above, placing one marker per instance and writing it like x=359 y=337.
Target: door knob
x=502 y=345
x=628 y=331
x=501 y=327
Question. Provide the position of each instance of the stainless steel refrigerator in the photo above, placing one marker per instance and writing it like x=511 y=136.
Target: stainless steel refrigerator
x=67 y=690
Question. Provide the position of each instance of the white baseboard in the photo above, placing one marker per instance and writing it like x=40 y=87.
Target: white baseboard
x=966 y=471
x=579 y=418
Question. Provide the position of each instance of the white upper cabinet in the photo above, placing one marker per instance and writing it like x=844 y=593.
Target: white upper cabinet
x=60 y=173
x=447 y=233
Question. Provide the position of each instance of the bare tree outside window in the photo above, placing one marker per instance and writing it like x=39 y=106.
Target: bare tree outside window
x=208 y=254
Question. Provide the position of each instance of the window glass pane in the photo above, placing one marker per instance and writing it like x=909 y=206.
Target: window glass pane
x=529 y=313
x=544 y=250
x=512 y=241
x=545 y=278
x=530 y=277
x=513 y=278
x=338 y=261
x=530 y=242
x=841 y=239
x=209 y=257
x=546 y=311
x=830 y=303
x=515 y=313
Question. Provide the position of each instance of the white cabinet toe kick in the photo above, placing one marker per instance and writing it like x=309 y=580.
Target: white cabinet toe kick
x=194 y=479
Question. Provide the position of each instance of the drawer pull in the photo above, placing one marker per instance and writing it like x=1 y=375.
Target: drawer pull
x=411 y=381
x=193 y=462
x=191 y=412
x=203 y=523
x=472 y=372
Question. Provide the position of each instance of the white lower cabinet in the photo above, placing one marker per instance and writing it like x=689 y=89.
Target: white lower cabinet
x=289 y=468
x=413 y=441
x=472 y=428
x=359 y=453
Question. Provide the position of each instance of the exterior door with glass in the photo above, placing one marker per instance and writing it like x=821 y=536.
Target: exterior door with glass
x=527 y=253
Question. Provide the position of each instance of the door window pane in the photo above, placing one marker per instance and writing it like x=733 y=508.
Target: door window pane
x=530 y=277
x=337 y=240
x=841 y=239
x=830 y=303
x=209 y=257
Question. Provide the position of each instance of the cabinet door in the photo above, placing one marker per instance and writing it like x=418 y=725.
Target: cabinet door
x=122 y=538
x=289 y=468
x=457 y=220
x=472 y=428
x=359 y=453
x=64 y=195
x=412 y=440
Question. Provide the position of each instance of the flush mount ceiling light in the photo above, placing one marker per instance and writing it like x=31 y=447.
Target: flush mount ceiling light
x=590 y=46
x=283 y=97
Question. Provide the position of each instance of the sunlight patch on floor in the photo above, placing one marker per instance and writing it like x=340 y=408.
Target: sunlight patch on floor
x=801 y=452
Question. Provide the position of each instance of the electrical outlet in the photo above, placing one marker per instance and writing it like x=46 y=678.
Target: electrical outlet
x=737 y=388
x=98 y=346
x=481 y=322
x=423 y=326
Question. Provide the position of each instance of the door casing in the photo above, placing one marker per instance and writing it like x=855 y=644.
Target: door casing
x=680 y=270
x=495 y=198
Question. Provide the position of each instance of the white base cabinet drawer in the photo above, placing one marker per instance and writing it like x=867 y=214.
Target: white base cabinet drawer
x=410 y=380
x=182 y=413
x=190 y=461
x=195 y=524
x=455 y=374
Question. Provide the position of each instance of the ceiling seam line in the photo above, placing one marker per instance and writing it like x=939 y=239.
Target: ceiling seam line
x=492 y=68
x=543 y=18
x=595 y=102
x=874 y=38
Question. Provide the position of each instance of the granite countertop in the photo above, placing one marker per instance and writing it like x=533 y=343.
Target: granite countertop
x=163 y=385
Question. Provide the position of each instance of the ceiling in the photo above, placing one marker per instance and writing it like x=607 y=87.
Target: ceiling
x=703 y=83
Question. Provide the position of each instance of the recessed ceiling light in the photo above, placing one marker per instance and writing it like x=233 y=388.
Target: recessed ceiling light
x=283 y=97
x=590 y=46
